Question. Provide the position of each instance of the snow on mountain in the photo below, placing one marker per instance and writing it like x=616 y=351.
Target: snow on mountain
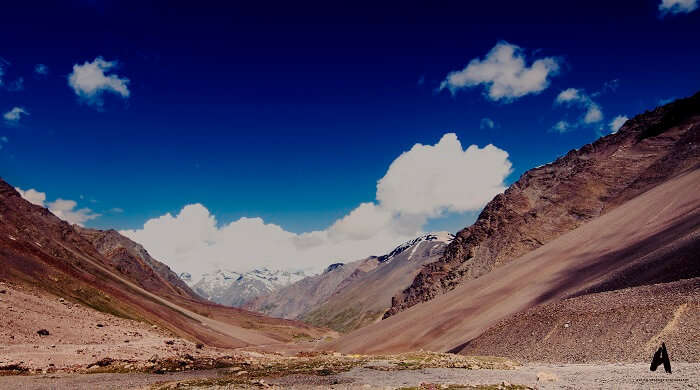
x=445 y=237
x=234 y=288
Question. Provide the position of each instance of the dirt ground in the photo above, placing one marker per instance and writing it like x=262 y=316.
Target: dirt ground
x=367 y=376
x=77 y=335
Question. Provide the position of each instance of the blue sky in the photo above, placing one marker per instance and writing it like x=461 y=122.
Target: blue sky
x=292 y=113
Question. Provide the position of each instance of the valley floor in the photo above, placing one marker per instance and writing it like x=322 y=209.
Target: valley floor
x=371 y=376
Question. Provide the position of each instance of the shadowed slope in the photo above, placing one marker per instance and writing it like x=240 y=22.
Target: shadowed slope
x=657 y=231
x=551 y=200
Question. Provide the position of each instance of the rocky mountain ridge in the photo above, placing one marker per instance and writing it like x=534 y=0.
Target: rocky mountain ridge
x=556 y=198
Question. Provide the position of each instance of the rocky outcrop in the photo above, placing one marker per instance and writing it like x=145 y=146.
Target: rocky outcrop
x=551 y=200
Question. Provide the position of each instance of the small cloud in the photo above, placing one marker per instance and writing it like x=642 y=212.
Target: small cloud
x=674 y=7
x=563 y=127
x=64 y=209
x=617 y=123
x=504 y=74
x=3 y=140
x=487 y=123
x=421 y=80
x=14 y=115
x=33 y=196
x=90 y=81
x=116 y=210
x=41 y=70
x=572 y=97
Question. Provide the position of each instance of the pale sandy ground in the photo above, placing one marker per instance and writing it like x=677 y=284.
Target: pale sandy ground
x=572 y=376
x=78 y=335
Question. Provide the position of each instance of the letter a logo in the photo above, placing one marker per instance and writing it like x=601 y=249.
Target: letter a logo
x=661 y=356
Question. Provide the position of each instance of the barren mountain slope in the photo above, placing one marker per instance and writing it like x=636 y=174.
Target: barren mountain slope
x=622 y=325
x=134 y=262
x=40 y=250
x=551 y=200
x=363 y=299
x=656 y=231
x=298 y=298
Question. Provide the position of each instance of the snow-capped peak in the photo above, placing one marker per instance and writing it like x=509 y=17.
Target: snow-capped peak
x=234 y=288
x=444 y=237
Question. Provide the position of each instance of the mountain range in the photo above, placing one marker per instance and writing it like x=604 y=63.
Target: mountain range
x=348 y=296
x=232 y=288
x=591 y=257
x=598 y=248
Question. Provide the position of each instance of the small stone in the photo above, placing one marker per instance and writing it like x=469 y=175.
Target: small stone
x=99 y=325
x=546 y=377
x=566 y=325
x=42 y=332
x=239 y=373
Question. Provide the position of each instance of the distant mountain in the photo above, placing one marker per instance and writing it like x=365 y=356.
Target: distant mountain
x=234 y=289
x=348 y=296
x=556 y=198
x=112 y=274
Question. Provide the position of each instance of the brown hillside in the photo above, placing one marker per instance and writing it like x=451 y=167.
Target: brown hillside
x=657 y=232
x=40 y=250
x=551 y=200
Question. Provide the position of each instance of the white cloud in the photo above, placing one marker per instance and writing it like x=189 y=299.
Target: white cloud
x=3 y=140
x=15 y=114
x=677 y=6
x=41 y=69
x=487 y=123
x=33 y=196
x=425 y=182
x=90 y=82
x=65 y=209
x=62 y=208
x=504 y=73
x=617 y=122
x=429 y=179
x=563 y=126
x=572 y=97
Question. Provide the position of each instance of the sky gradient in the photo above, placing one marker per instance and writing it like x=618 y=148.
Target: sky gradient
x=294 y=113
